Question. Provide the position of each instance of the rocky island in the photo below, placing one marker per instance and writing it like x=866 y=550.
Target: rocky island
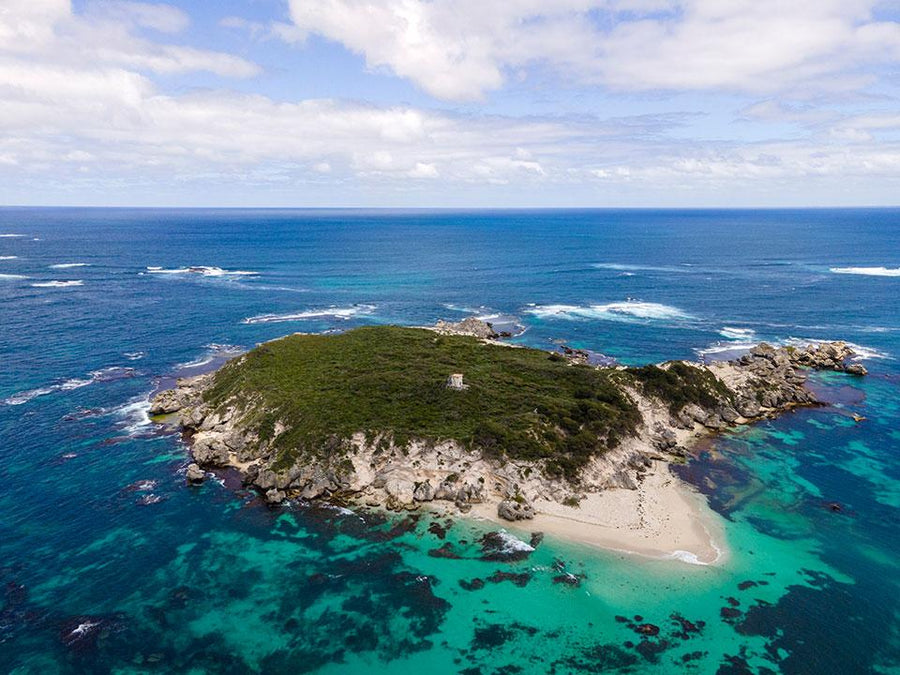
x=401 y=417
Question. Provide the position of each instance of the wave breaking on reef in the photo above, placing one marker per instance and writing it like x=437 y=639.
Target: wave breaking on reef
x=202 y=271
x=868 y=271
x=108 y=374
x=343 y=313
x=58 y=284
x=627 y=311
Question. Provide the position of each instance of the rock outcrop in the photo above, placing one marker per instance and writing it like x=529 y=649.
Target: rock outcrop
x=762 y=383
x=469 y=326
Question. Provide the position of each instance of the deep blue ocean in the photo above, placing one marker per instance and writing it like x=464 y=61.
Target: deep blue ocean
x=111 y=564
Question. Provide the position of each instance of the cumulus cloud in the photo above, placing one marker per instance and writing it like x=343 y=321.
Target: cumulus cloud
x=83 y=108
x=48 y=31
x=462 y=49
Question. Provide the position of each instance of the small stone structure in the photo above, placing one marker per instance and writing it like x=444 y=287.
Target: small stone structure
x=455 y=381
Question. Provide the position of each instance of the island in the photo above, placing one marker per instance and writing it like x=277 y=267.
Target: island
x=448 y=416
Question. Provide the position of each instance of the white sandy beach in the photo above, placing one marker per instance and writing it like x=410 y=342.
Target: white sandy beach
x=663 y=518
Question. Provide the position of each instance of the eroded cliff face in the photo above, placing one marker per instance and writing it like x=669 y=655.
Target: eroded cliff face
x=372 y=470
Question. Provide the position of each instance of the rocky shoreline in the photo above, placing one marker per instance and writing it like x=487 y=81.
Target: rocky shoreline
x=763 y=383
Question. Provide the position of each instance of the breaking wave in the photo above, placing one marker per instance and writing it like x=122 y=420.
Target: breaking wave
x=58 y=284
x=868 y=271
x=202 y=271
x=737 y=333
x=65 y=266
x=213 y=351
x=7 y=236
x=628 y=311
x=343 y=313
x=103 y=375
x=8 y=257
x=134 y=416
x=11 y=277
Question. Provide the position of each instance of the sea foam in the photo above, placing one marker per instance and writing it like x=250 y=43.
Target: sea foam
x=868 y=271
x=108 y=374
x=213 y=351
x=58 y=284
x=343 y=313
x=65 y=266
x=629 y=310
x=203 y=271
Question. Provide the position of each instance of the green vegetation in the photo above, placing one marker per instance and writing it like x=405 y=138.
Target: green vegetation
x=681 y=384
x=389 y=382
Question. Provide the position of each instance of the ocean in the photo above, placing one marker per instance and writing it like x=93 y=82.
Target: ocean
x=111 y=564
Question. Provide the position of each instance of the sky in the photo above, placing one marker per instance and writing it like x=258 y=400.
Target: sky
x=450 y=103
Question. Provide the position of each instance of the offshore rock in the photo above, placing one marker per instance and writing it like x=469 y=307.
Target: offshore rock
x=195 y=474
x=469 y=326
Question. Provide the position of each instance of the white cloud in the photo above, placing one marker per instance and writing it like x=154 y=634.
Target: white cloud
x=82 y=110
x=423 y=170
x=33 y=32
x=461 y=49
x=159 y=17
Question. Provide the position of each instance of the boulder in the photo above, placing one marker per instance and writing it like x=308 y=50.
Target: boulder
x=423 y=492
x=469 y=326
x=747 y=407
x=401 y=490
x=209 y=449
x=275 y=496
x=194 y=474
x=445 y=492
x=515 y=510
x=317 y=487
x=856 y=369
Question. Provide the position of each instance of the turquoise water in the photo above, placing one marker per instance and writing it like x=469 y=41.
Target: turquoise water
x=111 y=564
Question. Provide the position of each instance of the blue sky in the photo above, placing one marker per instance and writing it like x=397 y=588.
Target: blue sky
x=450 y=103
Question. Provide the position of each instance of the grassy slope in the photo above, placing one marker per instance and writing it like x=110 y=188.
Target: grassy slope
x=521 y=403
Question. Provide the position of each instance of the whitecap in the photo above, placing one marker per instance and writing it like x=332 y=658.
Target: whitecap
x=868 y=271
x=65 y=266
x=102 y=375
x=75 y=383
x=11 y=277
x=134 y=356
x=8 y=257
x=112 y=373
x=213 y=351
x=58 y=284
x=343 y=313
x=202 y=270
x=25 y=396
x=730 y=349
x=134 y=416
x=7 y=236
x=511 y=544
x=627 y=311
x=737 y=333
